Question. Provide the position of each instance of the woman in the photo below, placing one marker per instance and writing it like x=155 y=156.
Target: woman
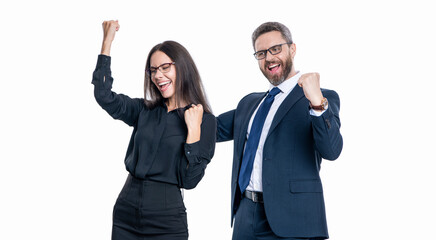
x=173 y=140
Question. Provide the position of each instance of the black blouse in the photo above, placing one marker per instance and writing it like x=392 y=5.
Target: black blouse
x=157 y=149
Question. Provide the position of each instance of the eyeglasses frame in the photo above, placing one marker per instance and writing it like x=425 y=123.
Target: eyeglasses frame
x=159 y=68
x=269 y=50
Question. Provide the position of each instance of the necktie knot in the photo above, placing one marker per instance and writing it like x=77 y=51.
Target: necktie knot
x=274 y=92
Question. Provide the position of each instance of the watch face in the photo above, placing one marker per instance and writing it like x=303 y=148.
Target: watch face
x=322 y=107
x=325 y=103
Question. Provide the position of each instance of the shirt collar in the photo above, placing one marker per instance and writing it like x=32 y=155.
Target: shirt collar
x=287 y=85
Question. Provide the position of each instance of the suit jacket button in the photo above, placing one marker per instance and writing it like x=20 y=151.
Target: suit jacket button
x=328 y=123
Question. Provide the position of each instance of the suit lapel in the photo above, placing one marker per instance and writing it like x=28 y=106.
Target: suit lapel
x=251 y=107
x=295 y=95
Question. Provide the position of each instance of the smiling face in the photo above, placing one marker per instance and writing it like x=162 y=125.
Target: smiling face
x=165 y=82
x=276 y=68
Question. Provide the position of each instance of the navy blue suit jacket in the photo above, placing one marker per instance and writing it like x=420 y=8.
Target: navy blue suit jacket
x=292 y=154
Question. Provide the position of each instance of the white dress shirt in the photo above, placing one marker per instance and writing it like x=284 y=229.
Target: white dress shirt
x=285 y=87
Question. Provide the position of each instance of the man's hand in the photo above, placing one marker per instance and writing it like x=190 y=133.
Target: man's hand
x=311 y=88
x=109 y=29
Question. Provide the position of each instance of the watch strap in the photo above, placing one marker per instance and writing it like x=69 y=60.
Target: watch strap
x=322 y=107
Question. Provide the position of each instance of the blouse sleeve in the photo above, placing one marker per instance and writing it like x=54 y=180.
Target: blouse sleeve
x=119 y=106
x=198 y=154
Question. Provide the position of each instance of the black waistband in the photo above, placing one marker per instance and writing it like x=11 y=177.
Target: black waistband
x=152 y=195
x=254 y=196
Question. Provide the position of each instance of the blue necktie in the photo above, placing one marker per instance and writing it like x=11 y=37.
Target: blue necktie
x=253 y=139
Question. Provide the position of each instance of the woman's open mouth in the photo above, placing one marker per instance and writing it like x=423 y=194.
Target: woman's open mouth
x=163 y=86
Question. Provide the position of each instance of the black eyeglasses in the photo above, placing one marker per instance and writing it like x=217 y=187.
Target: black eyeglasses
x=276 y=49
x=163 y=68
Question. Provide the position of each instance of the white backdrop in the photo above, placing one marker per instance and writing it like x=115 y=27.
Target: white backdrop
x=62 y=156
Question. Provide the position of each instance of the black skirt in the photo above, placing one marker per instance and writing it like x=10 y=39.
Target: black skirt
x=149 y=210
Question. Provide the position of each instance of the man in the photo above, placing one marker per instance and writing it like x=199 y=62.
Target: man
x=280 y=138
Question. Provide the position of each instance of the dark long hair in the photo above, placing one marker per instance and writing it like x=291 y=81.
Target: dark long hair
x=188 y=88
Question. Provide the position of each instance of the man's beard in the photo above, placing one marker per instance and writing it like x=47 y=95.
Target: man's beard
x=278 y=78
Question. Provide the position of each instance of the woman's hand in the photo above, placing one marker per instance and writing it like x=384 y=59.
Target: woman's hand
x=193 y=119
x=109 y=29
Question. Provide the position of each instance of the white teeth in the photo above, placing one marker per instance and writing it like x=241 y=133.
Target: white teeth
x=273 y=66
x=163 y=83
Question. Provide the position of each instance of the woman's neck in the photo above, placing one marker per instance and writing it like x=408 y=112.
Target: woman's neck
x=171 y=104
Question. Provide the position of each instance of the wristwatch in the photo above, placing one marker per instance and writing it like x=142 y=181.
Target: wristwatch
x=322 y=107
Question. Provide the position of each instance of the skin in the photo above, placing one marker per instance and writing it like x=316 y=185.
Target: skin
x=167 y=91
x=194 y=115
x=309 y=81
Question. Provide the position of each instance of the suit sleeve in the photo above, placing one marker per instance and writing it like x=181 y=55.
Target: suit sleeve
x=224 y=130
x=119 y=106
x=327 y=137
x=198 y=154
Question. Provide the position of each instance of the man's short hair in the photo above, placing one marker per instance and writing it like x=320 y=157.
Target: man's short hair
x=269 y=27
